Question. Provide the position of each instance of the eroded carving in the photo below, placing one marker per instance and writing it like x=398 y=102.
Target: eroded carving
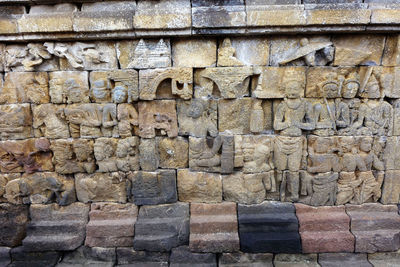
x=15 y=121
x=227 y=55
x=49 y=121
x=69 y=87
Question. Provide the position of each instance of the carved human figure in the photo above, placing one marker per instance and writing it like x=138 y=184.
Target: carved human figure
x=319 y=189
x=227 y=55
x=109 y=121
x=120 y=94
x=322 y=156
x=100 y=91
x=84 y=120
x=49 y=121
x=127 y=154
x=292 y=116
x=127 y=119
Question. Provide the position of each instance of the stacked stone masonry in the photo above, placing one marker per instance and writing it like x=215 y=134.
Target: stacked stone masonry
x=178 y=132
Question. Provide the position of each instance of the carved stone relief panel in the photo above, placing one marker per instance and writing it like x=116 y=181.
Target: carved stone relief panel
x=69 y=87
x=25 y=87
x=15 y=121
x=118 y=86
x=49 y=121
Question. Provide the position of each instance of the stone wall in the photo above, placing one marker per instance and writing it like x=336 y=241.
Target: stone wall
x=160 y=133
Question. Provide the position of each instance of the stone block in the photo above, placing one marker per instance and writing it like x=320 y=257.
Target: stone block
x=15 y=121
x=152 y=188
x=20 y=257
x=391 y=56
x=118 y=86
x=250 y=188
x=4 y=180
x=49 y=121
x=13 y=219
x=144 y=54
x=29 y=57
x=87 y=56
x=244 y=115
x=69 y=87
x=182 y=256
x=25 y=87
x=391 y=187
x=157 y=117
x=240 y=259
x=265 y=14
x=27 y=155
x=199 y=186
x=358 y=50
x=249 y=51
x=382 y=259
x=269 y=83
x=211 y=154
x=298 y=260
x=289 y=52
x=114 y=154
x=2 y=61
x=228 y=82
x=197 y=117
x=162 y=227
x=213 y=228
x=375 y=227
x=8 y=24
x=324 y=229
x=151 y=84
x=391 y=154
x=343 y=259
x=196 y=53
x=73 y=156
x=385 y=16
x=41 y=188
x=48 y=18
x=128 y=257
x=5 y=257
x=111 y=187
x=166 y=15
x=149 y=157
x=107 y=16
x=338 y=16
x=54 y=228
x=86 y=256
x=173 y=152
x=268 y=227
x=210 y=15
x=92 y=120
x=111 y=225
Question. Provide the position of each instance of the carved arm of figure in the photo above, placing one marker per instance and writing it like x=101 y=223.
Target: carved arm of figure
x=309 y=120
x=92 y=117
x=109 y=117
x=279 y=123
x=214 y=150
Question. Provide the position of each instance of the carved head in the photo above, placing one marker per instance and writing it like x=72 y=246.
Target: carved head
x=292 y=84
x=366 y=144
x=331 y=86
x=120 y=94
x=196 y=109
x=73 y=90
x=100 y=89
x=351 y=85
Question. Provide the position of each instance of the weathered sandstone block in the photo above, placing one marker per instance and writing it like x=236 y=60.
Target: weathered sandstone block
x=383 y=259
x=144 y=54
x=199 y=186
x=391 y=187
x=213 y=227
x=4 y=179
x=298 y=260
x=128 y=120
x=157 y=117
x=151 y=83
x=110 y=187
x=13 y=220
x=73 y=156
x=25 y=87
x=28 y=155
x=182 y=256
x=118 y=86
x=111 y=225
x=128 y=257
x=197 y=53
x=49 y=121
x=391 y=52
x=358 y=50
x=69 y=87
x=117 y=154
x=375 y=227
x=162 y=227
x=268 y=227
x=15 y=121
x=41 y=188
x=212 y=154
x=197 y=117
x=392 y=153
x=240 y=259
x=152 y=188
x=149 y=157
x=324 y=229
x=343 y=259
x=56 y=228
x=173 y=152
x=86 y=256
x=21 y=257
